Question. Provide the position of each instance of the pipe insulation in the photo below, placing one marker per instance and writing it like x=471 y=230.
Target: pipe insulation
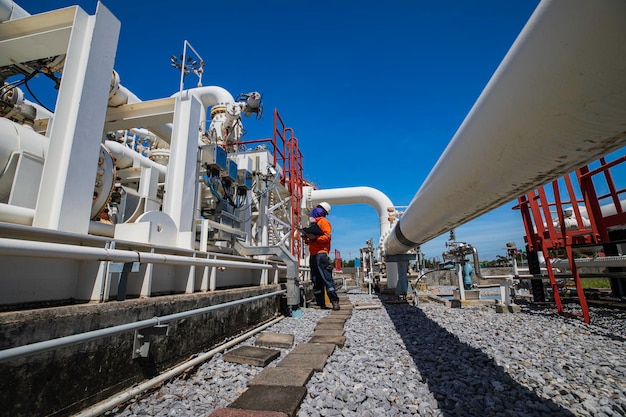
x=556 y=102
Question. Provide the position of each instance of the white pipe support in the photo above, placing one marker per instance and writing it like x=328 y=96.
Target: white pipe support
x=65 y=195
x=556 y=102
x=179 y=201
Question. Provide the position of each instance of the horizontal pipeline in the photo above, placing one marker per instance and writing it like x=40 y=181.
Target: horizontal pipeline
x=15 y=247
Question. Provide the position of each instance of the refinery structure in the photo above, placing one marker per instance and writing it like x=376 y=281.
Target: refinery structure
x=143 y=214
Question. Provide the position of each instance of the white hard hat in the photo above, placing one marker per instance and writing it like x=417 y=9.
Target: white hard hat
x=325 y=206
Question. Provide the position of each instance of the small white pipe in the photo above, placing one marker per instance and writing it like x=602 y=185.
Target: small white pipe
x=132 y=392
x=126 y=158
x=42 y=112
x=53 y=344
x=101 y=229
x=208 y=96
x=15 y=247
x=16 y=214
x=355 y=195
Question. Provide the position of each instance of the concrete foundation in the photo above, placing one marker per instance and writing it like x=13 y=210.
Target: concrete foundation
x=469 y=294
x=63 y=381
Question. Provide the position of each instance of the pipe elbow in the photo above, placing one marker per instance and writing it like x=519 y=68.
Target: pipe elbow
x=208 y=95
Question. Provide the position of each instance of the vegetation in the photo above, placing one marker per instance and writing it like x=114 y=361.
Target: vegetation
x=596 y=283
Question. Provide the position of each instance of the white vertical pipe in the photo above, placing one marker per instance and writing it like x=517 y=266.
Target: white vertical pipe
x=556 y=102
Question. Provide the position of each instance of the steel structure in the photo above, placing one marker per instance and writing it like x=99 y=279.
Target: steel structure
x=575 y=224
x=108 y=173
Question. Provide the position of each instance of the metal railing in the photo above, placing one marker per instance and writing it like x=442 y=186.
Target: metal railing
x=39 y=347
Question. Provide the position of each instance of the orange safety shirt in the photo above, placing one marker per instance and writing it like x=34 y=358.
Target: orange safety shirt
x=322 y=243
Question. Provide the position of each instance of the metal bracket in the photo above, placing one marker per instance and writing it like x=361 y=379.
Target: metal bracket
x=141 y=344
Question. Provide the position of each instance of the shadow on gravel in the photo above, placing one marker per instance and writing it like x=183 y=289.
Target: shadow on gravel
x=464 y=380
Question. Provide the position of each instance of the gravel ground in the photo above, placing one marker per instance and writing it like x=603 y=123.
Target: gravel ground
x=431 y=360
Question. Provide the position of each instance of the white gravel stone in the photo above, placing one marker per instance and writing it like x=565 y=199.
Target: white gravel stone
x=431 y=360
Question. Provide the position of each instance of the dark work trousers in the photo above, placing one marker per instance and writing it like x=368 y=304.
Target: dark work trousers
x=322 y=277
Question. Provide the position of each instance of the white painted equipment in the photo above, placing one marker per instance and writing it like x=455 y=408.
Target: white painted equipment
x=103 y=151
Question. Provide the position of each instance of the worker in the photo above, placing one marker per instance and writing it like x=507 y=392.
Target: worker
x=321 y=267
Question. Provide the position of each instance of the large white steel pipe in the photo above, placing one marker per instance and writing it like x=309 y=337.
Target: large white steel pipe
x=17 y=138
x=556 y=102
x=355 y=195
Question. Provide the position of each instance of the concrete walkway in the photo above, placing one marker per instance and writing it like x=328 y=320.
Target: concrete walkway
x=278 y=391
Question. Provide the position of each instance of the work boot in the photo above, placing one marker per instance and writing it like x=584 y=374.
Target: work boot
x=336 y=305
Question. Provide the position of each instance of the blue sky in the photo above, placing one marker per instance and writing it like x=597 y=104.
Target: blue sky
x=373 y=90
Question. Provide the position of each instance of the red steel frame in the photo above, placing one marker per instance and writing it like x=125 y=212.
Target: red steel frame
x=338 y=266
x=542 y=235
x=293 y=180
x=286 y=152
